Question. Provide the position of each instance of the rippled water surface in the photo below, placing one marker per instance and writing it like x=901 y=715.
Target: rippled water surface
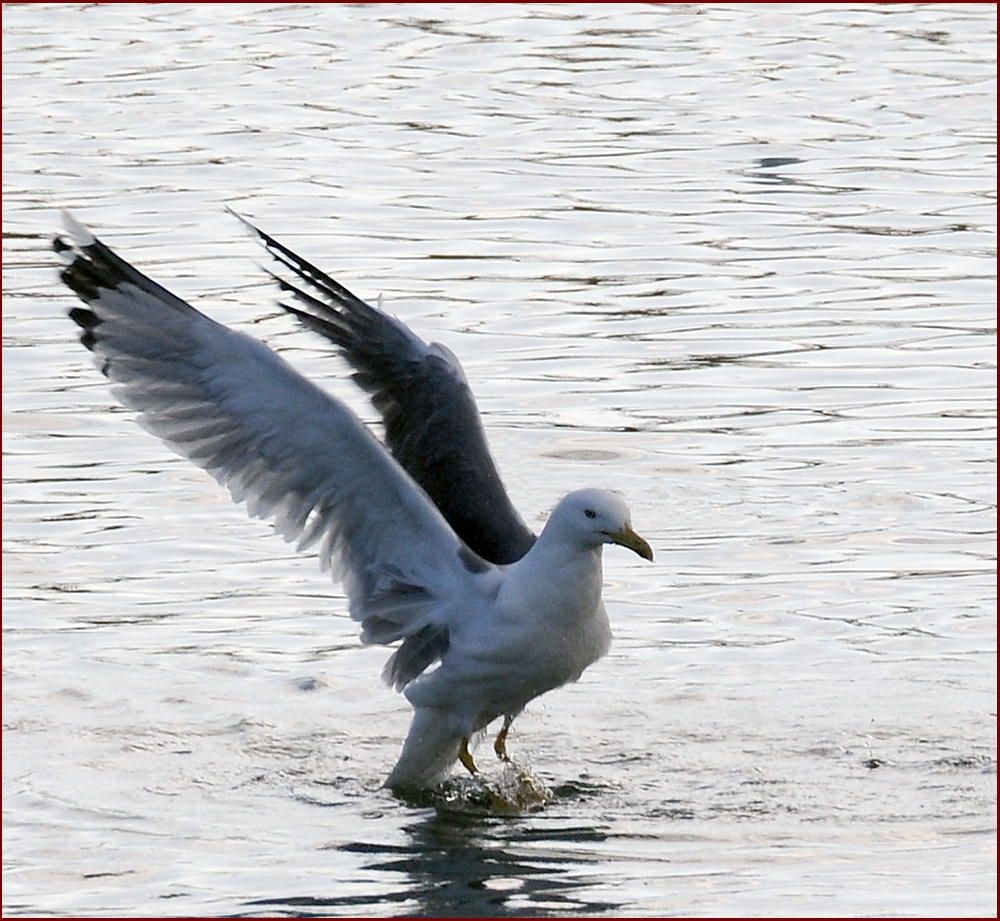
x=737 y=262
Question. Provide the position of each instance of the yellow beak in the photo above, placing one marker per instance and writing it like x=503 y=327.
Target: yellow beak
x=626 y=537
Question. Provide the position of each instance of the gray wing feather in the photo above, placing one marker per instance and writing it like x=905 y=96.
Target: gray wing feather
x=288 y=450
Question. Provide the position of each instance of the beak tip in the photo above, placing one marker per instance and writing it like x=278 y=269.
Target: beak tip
x=635 y=543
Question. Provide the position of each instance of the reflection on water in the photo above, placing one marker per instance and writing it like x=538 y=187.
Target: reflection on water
x=469 y=865
x=737 y=262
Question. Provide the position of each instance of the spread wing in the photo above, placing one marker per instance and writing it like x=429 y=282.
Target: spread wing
x=280 y=444
x=432 y=424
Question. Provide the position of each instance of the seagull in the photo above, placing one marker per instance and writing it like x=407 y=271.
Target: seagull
x=419 y=530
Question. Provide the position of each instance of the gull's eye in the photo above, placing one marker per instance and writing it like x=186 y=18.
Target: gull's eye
x=590 y=513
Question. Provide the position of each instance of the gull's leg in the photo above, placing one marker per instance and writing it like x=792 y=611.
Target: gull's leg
x=466 y=758
x=500 y=745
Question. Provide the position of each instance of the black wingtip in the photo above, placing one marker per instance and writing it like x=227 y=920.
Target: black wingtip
x=252 y=229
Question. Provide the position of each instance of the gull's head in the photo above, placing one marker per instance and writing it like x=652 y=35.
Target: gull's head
x=591 y=517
